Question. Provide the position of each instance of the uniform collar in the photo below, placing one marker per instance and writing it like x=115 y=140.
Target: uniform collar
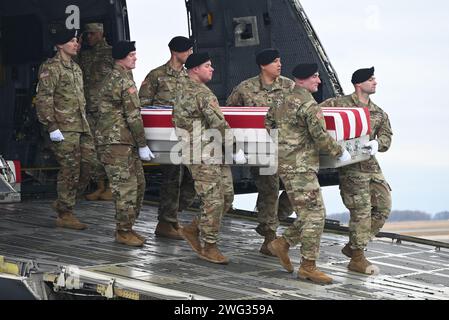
x=172 y=72
x=67 y=64
x=101 y=44
x=120 y=68
x=276 y=85
x=360 y=104
x=302 y=91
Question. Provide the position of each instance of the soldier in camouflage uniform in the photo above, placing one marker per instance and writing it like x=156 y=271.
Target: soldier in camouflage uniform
x=363 y=188
x=212 y=181
x=267 y=89
x=302 y=134
x=96 y=63
x=162 y=87
x=121 y=141
x=60 y=107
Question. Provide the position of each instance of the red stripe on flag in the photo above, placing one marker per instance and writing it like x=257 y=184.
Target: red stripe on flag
x=246 y=122
x=368 y=119
x=18 y=168
x=346 y=126
x=157 y=121
x=330 y=122
x=358 y=123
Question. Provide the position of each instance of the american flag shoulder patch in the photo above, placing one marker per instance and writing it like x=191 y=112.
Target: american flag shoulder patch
x=44 y=74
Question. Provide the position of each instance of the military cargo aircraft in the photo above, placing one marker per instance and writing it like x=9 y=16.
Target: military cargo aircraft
x=39 y=261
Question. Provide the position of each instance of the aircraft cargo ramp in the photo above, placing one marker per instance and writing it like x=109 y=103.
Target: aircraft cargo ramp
x=36 y=258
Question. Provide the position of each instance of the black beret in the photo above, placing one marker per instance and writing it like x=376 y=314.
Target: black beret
x=196 y=59
x=362 y=75
x=180 y=44
x=305 y=70
x=64 y=35
x=122 y=48
x=267 y=56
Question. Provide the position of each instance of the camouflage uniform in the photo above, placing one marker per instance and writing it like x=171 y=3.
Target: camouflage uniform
x=96 y=64
x=363 y=188
x=213 y=182
x=252 y=92
x=302 y=134
x=60 y=104
x=119 y=133
x=162 y=87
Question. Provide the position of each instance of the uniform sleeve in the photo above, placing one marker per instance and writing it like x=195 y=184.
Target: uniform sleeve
x=329 y=103
x=314 y=118
x=131 y=108
x=48 y=80
x=148 y=89
x=270 y=122
x=235 y=98
x=384 y=135
x=214 y=116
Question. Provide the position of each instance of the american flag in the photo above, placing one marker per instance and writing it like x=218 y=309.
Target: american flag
x=341 y=123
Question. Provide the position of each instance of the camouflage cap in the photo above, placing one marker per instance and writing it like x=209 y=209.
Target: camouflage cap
x=93 y=27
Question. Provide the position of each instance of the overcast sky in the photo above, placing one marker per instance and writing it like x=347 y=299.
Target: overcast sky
x=406 y=41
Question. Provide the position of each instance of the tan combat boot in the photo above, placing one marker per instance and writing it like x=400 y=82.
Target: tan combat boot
x=191 y=233
x=69 y=221
x=269 y=236
x=212 y=254
x=309 y=271
x=347 y=250
x=360 y=264
x=96 y=194
x=167 y=230
x=279 y=248
x=128 y=238
x=107 y=195
x=138 y=236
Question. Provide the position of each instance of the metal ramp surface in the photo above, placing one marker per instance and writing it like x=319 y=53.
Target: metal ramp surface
x=92 y=262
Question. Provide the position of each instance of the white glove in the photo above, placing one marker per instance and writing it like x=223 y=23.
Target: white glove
x=146 y=154
x=373 y=145
x=346 y=156
x=239 y=157
x=56 y=136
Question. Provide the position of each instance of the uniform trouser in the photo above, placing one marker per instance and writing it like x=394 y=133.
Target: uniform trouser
x=267 y=201
x=98 y=171
x=126 y=177
x=285 y=208
x=176 y=194
x=75 y=155
x=215 y=193
x=304 y=193
x=368 y=199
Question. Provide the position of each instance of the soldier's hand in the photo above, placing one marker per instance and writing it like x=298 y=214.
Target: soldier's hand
x=373 y=146
x=346 y=156
x=239 y=157
x=146 y=154
x=56 y=136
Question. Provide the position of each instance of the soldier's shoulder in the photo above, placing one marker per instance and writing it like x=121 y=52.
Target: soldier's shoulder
x=302 y=98
x=157 y=72
x=105 y=50
x=51 y=62
x=50 y=66
x=377 y=108
x=286 y=82
x=248 y=83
